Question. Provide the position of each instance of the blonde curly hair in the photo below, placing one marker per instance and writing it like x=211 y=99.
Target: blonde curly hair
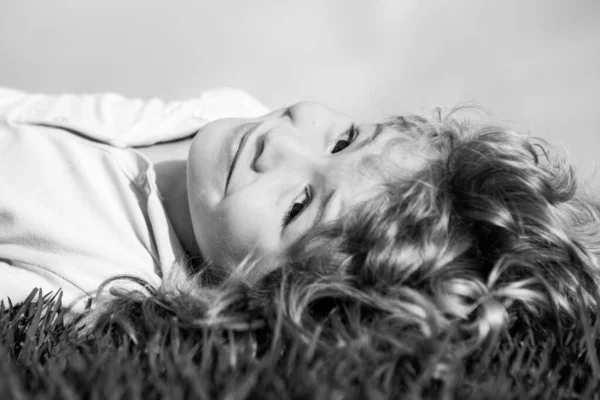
x=493 y=226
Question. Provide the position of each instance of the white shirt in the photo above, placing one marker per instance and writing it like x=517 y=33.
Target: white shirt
x=77 y=206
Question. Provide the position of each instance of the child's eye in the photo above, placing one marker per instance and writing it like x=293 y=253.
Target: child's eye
x=298 y=205
x=345 y=139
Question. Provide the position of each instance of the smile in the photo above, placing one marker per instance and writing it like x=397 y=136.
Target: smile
x=238 y=143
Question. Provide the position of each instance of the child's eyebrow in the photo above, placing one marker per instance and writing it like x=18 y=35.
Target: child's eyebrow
x=377 y=132
x=369 y=141
x=321 y=209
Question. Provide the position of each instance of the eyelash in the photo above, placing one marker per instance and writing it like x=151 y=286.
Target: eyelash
x=351 y=135
x=297 y=207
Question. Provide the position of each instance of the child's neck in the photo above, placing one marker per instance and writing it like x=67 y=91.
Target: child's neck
x=171 y=179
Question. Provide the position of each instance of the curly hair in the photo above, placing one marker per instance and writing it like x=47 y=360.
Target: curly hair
x=490 y=224
x=491 y=231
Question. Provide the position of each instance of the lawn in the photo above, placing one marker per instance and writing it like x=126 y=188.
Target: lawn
x=162 y=355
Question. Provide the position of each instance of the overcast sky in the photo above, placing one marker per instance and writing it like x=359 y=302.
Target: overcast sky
x=532 y=63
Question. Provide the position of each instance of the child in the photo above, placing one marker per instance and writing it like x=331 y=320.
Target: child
x=80 y=206
x=386 y=238
x=461 y=236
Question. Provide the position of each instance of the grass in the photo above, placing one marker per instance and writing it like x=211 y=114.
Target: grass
x=42 y=358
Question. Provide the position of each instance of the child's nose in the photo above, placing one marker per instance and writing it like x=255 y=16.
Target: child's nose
x=276 y=147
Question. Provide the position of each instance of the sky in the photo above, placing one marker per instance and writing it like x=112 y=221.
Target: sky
x=532 y=64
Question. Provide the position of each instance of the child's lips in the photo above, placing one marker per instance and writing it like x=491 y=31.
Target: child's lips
x=237 y=145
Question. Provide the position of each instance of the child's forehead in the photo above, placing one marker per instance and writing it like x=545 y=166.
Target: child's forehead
x=398 y=155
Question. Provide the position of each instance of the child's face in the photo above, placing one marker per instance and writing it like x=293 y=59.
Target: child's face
x=258 y=184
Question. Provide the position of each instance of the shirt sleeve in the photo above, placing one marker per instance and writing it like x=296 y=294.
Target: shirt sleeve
x=121 y=122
